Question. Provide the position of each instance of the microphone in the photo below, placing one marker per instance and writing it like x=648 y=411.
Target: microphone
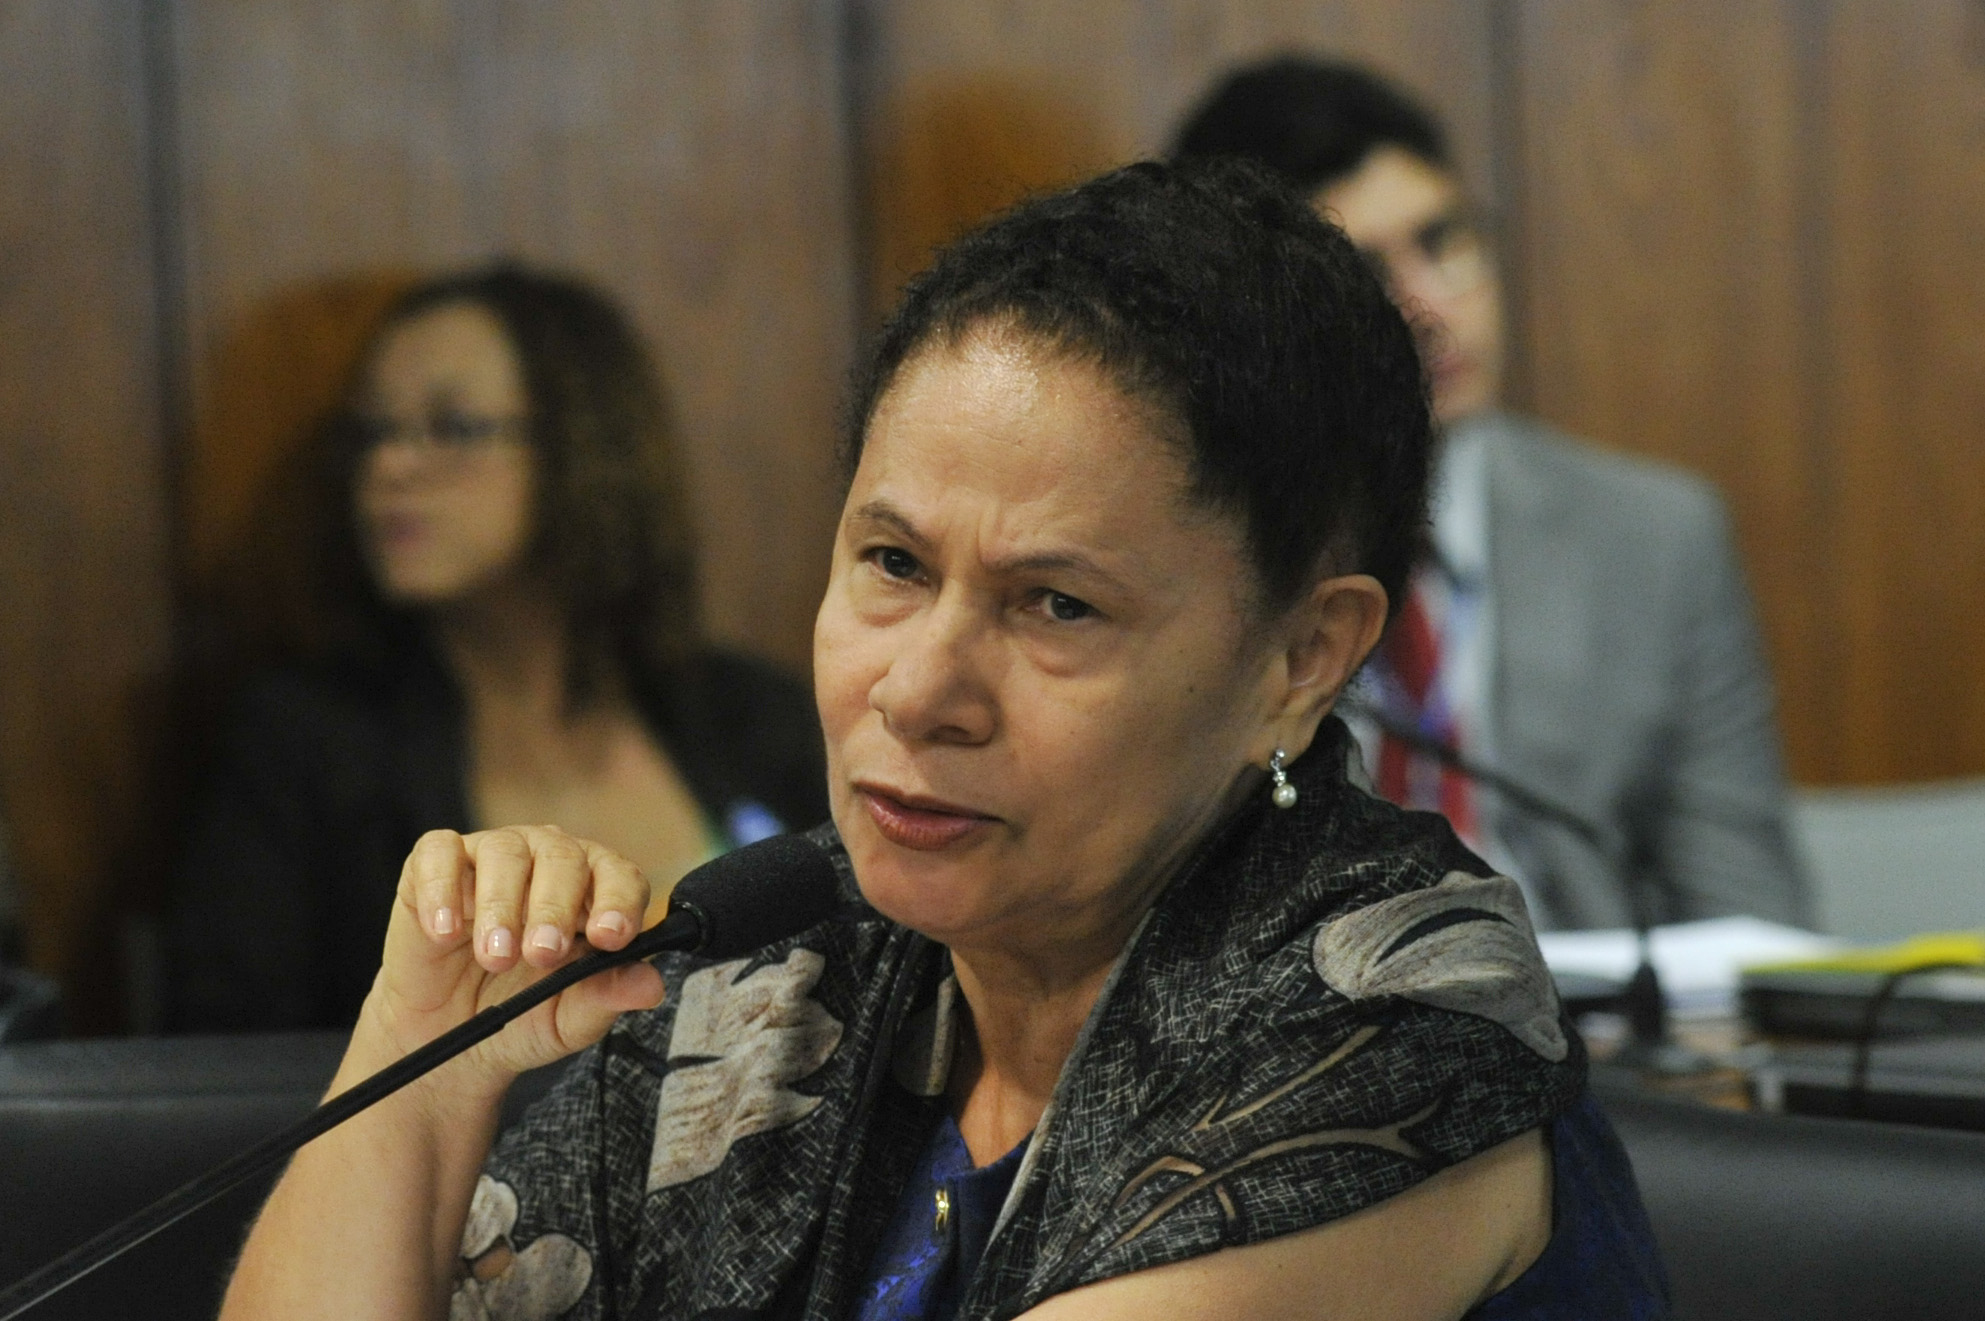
x=742 y=901
x=1641 y=1000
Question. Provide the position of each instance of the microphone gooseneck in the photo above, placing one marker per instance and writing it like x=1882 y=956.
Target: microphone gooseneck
x=1642 y=1001
x=739 y=902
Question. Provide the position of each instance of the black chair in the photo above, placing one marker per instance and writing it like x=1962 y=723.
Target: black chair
x=91 y=1131
x=1764 y=1217
x=30 y=1006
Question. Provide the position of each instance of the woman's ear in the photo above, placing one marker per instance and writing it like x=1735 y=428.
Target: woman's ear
x=1326 y=637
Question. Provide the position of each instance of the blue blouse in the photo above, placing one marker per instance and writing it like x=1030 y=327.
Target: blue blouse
x=940 y=1230
x=1601 y=1261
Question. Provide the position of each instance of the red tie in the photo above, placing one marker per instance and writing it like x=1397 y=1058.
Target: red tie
x=1412 y=653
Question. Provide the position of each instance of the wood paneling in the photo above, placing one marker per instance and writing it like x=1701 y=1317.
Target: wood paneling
x=1662 y=305
x=1903 y=114
x=1750 y=247
x=967 y=105
x=1741 y=237
x=686 y=157
x=85 y=594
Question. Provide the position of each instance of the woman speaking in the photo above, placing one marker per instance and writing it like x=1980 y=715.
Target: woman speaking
x=1149 y=1011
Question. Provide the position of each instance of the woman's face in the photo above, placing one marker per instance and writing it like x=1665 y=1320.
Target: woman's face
x=447 y=483
x=1033 y=661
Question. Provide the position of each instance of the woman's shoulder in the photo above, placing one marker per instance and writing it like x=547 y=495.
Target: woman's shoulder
x=741 y=694
x=1331 y=1008
x=1347 y=909
x=743 y=731
x=1358 y=887
x=291 y=709
x=349 y=729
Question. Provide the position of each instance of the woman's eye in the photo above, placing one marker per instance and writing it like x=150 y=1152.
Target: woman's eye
x=1066 y=608
x=896 y=563
x=452 y=429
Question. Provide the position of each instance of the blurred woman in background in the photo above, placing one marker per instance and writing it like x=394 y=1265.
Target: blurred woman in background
x=512 y=635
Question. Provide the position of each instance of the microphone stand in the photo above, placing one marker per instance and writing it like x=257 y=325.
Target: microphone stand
x=1650 y=1046
x=684 y=926
x=748 y=898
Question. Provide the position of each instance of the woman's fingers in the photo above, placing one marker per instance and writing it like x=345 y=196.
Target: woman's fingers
x=537 y=889
x=561 y=881
x=434 y=881
x=586 y=1011
x=620 y=898
x=427 y=938
x=574 y=1019
x=503 y=866
x=481 y=916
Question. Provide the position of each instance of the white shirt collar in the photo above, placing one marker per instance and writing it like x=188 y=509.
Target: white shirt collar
x=1459 y=504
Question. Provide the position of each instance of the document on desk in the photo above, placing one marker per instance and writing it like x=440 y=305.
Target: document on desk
x=1699 y=962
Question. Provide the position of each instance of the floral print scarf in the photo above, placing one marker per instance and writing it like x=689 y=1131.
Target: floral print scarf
x=1330 y=1004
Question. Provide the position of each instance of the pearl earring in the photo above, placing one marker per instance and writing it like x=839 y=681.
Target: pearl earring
x=1284 y=795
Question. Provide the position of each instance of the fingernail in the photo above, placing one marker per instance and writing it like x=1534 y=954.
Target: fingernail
x=546 y=936
x=444 y=921
x=501 y=943
x=613 y=924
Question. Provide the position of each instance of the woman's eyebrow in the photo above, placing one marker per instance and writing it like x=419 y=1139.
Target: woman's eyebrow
x=1050 y=561
x=881 y=511
x=1061 y=561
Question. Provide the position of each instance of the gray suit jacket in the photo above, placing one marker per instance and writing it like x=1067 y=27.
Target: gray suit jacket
x=1629 y=684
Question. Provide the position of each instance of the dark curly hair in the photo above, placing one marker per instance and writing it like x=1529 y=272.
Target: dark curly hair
x=1310 y=121
x=613 y=533
x=1211 y=292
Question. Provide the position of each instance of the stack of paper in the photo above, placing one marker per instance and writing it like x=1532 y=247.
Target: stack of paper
x=1699 y=962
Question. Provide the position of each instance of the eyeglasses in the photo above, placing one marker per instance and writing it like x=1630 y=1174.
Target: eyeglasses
x=445 y=432
x=1448 y=256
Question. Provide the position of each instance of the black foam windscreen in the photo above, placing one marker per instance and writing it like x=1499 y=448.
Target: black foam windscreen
x=759 y=894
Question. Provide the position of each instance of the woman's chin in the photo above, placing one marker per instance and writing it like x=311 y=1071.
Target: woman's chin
x=416 y=586
x=935 y=897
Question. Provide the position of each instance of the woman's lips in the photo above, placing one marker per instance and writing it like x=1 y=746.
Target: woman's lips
x=398 y=530
x=922 y=824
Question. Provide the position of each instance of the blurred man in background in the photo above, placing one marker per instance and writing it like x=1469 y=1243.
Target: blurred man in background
x=1580 y=622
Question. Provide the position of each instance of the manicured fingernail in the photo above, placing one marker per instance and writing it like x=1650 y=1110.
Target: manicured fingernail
x=546 y=936
x=444 y=921
x=613 y=924
x=500 y=943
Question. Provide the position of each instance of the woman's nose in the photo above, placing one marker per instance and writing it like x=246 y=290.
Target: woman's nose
x=937 y=688
x=392 y=462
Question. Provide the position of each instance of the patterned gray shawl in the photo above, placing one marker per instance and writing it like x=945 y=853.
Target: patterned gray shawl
x=1330 y=1004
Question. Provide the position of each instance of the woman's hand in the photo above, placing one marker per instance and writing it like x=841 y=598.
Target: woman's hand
x=480 y=917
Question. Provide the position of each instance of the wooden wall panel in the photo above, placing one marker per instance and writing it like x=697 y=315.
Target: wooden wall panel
x=1903 y=114
x=966 y=105
x=1743 y=238
x=1664 y=304
x=687 y=157
x=85 y=593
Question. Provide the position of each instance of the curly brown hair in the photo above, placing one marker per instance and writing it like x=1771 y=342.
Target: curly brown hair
x=614 y=536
